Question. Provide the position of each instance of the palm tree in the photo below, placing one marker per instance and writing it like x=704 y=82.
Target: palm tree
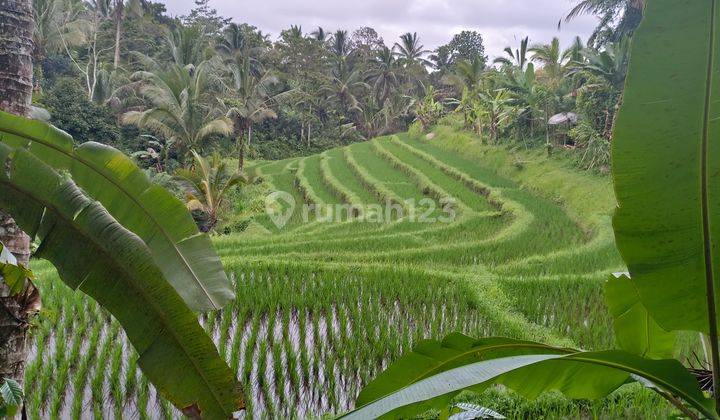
x=467 y=75
x=385 y=74
x=574 y=54
x=610 y=63
x=340 y=44
x=295 y=32
x=410 y=51
x=119 y=15
x=249 y=100
x=627 y=14
x=515 y=58
x=233 y=41
x=177 y=106
x=55 y=21
x=441 y=59
x=16 y=40
x=320 y=35
x=207 y=184
x=188 y=45
x=551 y=57
x=345 y=87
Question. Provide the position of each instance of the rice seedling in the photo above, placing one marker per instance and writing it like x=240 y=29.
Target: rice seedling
x=323 y=307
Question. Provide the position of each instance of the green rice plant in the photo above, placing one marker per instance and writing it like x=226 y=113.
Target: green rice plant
x=131 y=374
x=114 y=380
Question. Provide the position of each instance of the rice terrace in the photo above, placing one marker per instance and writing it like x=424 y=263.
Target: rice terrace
x=200 y=219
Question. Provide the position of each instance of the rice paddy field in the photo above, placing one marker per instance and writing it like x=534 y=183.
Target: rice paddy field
x=511 y=243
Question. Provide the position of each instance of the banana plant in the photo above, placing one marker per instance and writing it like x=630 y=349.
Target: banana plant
x=185 y=256
x=112 y=255
x=666 y=171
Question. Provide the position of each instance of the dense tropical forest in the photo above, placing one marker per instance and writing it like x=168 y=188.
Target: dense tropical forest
x=128 y=75
x=199 y=219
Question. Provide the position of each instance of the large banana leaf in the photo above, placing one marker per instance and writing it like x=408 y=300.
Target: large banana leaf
x=666 y=163
x=635 y=330
x=94 y=253
x=185 y=256
x=434 y=372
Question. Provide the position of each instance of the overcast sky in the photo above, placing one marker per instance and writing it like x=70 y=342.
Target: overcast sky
x=501 y=22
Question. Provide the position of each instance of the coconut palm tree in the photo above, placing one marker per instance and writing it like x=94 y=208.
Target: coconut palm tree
x=410 y=51
x=320 y=35
x=551 y=57
x=515 y=58
x=626 y=13
x=441 y=59
x=177 y=106
x=188 y=45
x=574 y=53
x=248 y=99
x=340 y=44
x=385 y=74
x=16 y=87
x=345 y=87
x=56 y=21
x=610 y=63
x=468 y=74
x=207 y=184
x=233 y=41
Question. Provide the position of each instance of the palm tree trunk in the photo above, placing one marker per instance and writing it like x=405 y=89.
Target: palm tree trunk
x=16 y=71
x=118 y=31
x=241 y=150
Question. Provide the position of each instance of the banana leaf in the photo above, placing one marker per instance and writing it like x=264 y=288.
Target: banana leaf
x=635 y=330
x=434 y=372
x=14 y=275
x=94 y=253
x=666 y=163
x=185 y=256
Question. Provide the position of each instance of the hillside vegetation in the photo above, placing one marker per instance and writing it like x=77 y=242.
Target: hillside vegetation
x=323 y=306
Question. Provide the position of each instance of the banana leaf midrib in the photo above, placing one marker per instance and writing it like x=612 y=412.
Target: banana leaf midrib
x=707 y=237
x=160 y=227
x=152 y=304
x=480 y=351
x=630 y=369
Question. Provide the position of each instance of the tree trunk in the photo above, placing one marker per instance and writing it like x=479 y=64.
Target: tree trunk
x=119 y=5
x=16 y=72
x=241 y=150
x=16 y=49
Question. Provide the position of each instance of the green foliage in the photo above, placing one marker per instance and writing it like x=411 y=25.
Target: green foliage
x=595 y=148
x=83 y=119
x=207 y=185
x=635 y=330
x=14 y=275
x=156 y=216
x=162 y=328
x=673 y=268
x=466 y=46
x=672 y=283
x=11 y=397
x=434 y=371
